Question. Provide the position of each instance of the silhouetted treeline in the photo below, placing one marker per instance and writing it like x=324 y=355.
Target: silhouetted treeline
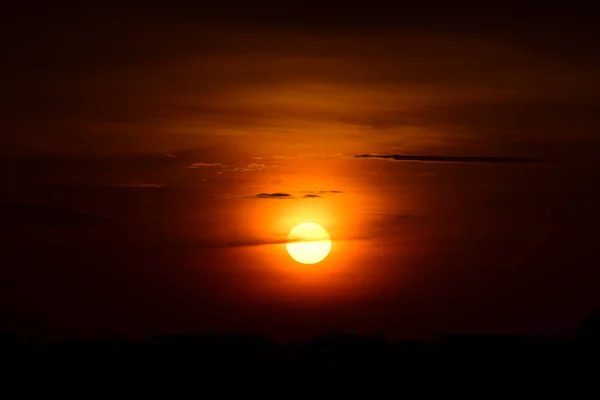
x=204 y=356
x=335 y=352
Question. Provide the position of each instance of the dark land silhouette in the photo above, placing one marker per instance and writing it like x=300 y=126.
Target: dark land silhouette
x=332 y=354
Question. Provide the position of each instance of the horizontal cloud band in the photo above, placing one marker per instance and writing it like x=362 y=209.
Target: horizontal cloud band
x=307 y=195
x=267 y=242
x=450 y=159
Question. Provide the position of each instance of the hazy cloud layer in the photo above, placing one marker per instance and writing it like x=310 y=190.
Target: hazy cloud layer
x=450 y=159
x=275 y=90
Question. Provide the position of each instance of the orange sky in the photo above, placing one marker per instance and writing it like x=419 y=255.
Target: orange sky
x=194 y=139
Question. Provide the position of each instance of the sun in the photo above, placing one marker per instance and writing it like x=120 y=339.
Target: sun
x=308 y=243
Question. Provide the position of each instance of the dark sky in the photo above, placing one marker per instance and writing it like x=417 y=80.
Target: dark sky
x=154 y=158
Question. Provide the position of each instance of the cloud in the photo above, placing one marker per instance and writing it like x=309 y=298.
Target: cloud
x=215 y=244
x=210 y=244
x=253 y=167
x=238 y=168
x=439 y=78
x=171 y=155
x=303 y=195
x=319 y=193
x=272 y=196
x=451 y=159
x=204 y=165
x=35 y=215
x=310 y=156
x=250 y=167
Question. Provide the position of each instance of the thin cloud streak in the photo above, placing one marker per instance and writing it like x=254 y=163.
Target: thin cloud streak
x=272 y=196
x=451 y=159
x=267 y=242
x=307 y=195
x=204 y=165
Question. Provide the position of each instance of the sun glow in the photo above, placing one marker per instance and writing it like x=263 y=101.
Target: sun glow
x=308 y=243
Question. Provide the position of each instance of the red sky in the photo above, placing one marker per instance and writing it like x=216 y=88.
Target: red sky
x=175 y=128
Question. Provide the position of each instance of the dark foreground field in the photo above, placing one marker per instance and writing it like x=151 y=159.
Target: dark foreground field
x=207 y=357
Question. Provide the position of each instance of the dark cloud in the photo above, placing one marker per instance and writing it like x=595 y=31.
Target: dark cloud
x=14 y=215
x=305 y=195
x=450 y=159
x=273 y=196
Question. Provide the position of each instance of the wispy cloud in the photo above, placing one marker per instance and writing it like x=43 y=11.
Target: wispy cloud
x=249 y=167
x=450 y=159
x=325 y=192
x=204 y=165
x=239 y=168
x=303 y=155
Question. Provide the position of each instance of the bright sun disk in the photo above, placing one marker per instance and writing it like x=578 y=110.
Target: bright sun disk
x=308 y=243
